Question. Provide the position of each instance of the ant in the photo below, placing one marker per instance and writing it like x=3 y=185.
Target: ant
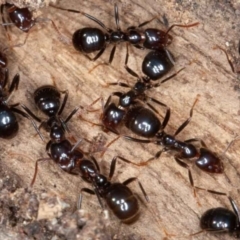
x=22 y=18
x=130 y=109
x=48 y=100
x=220 y=220
x=118 y=196
x=89 y=40
x=8 y=121
x=204 y=159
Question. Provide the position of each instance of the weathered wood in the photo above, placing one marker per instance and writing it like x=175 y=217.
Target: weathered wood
x=45 y=58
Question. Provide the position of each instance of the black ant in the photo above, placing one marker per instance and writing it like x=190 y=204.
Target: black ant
x=48 y=100
x=22 y=18
x=204 y=159
x=89 y=40
x=8 y=121
x=130 y=103
x=221 y=220
x=119 y=198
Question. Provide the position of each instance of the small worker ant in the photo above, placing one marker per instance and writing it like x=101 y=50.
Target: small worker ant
x=88 y=40
x=8 y=121
x=204 y=159
x=131 y=103
x=22 y=18
x=220 y=220
x=119 y=198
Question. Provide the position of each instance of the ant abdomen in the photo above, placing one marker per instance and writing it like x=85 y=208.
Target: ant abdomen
x=209 y=162
x=122 y=202
x=142 y=121
x=89 y=40
x=158 y=63
x=219 y=219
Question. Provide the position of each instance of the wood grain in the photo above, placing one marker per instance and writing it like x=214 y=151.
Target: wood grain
x=45 y=57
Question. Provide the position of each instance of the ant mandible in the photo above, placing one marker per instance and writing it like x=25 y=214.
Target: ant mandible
x=89 y=40
x=8 y=121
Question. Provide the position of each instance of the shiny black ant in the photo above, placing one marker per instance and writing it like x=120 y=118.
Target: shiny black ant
x=8 y=121
x=48 y=100
x=204 y=159
x=89 y=40
x=22 y=18
x=220 y=220
x=119 y=198
x=131 y=103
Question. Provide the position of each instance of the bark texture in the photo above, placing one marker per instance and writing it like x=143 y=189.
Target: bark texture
x=46 y=59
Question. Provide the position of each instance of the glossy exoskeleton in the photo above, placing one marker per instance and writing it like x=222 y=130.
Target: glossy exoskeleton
x=88 y=40
x=22 y=18
x=222 y=220
x=204 y=159
x=48 y=100
x=130 y=108
x=118 y=197
x=8 y=121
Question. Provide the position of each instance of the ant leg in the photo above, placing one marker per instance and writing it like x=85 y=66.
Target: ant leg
x=36 y=169
x=63 y=102
x=184 y=165
x=31 y=113
x=112 y=54
x=4 y=22
x=130 y=180
x=230 y=144
x=14 y=84
x=228 y=58
x=165 y=80
x=182 y=26
x=6 y=77
x=196 y=140
x=86 y=15
x=129 y=70
x=29 y=118
x=116 y=17
x=86 y=190
x=185 y=123
x=95 y=162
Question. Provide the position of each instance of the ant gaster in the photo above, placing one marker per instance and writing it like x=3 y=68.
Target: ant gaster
x=8 y=121
x=88 y=40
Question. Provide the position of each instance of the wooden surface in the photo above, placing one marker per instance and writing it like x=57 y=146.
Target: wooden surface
x=216 y=118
